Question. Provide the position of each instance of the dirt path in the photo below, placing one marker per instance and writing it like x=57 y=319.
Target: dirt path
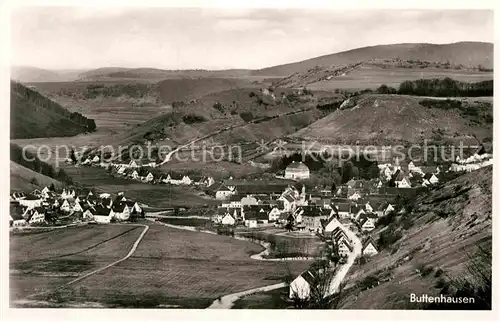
x=227 y=301
x=132 y=250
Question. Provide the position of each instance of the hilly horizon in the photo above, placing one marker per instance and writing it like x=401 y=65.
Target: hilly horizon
x=470 y=54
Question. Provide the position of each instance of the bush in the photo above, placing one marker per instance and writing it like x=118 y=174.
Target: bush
x=387 y=219
x=388 y=237
x=193 y=118
x=369 y=282
x=246 y=116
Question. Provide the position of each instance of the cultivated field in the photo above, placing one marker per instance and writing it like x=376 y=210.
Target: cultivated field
x=178 y=268
x=40 y=261
x=372 y=77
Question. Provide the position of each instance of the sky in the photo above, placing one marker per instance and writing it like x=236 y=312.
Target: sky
x=209 y=38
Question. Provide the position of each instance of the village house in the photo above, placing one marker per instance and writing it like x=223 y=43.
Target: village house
x=401 y=180
x=77 y=207
x=120 y=211
x=16 y=213
x=228 y=219
x=274 y=214
x=249 y=201
x=369 y=248
x=343 y=209
x=300 y=287
x=102 y=215
x=255 y=216
x=65 y=206
x=88 y=215
x=297 y=171
x=221 y=191
x=357 y=211
x=340 y=238
x=330 y=224
x=36 y=215
x=367 y=221
x=388 y=209
x=149 y=177
x=31 y=201
x=16 y=196
x=312 y=216
x=431 y=178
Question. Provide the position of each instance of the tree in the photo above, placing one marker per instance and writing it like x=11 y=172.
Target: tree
x=34 y=181
x=52 y=187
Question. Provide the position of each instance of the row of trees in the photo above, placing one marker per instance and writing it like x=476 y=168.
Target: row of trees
x=445 y=87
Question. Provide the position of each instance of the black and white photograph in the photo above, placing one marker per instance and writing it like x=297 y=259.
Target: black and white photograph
x=250 y=158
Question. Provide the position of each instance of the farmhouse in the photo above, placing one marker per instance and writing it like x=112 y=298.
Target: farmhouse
x=331 y=224
x=223 y=192
x=228 y=219
x=274 y=214
x=149 y=177
x=31 y=201
x=297 y=171
x=36 y=215
x=120 y=211
x=369 y=248
x=367 y=221
x=300 y=287
x=431 y=178
x=102 y=214
x=312 y=217
x=343 y=209
x=16 y=216
x=65 y=206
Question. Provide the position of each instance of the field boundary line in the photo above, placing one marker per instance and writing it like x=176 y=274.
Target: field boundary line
x=132 y=250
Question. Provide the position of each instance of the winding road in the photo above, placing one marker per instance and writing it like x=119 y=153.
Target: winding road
x=227 y=301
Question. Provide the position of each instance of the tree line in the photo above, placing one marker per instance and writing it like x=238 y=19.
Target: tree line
x=32 y=162
x=42 y=101
x=445 y=87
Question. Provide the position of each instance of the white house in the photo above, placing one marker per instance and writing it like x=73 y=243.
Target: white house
x=331 y=224
x=300 y=287
x=95 y=159
x=403 y=183
x=31 y=201
x=274 y=214
x=120 y=211
x=36 y=216
x=369 y=248
x=101 y=215
x=297 y=171
x=88 y=215
x=431 y=178
x=367 y=222
x=228 y=219
x=150 y=177
x=65 y=206
x=223 y=192
x=388 y=209
x=77 y=207
x=134 y=175
x=17 y=220
x=355 y=196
